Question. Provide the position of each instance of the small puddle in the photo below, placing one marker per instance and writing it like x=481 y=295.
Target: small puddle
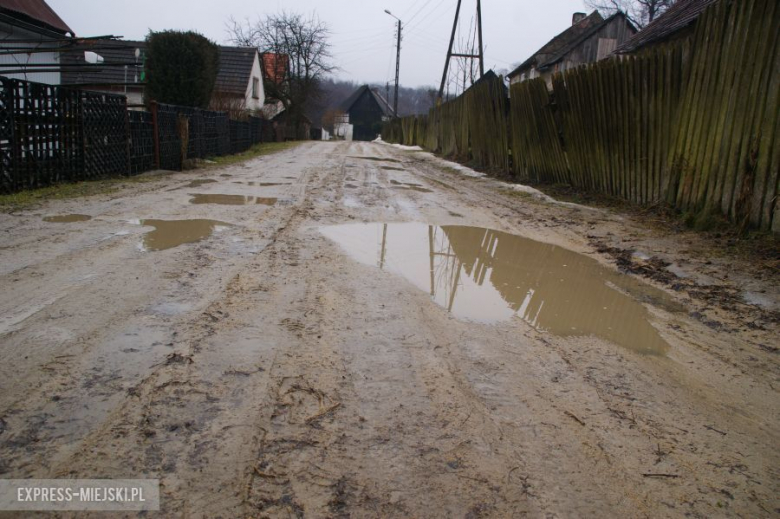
x=225 y=175
x=350 y=186
x=168 y=234
x=231 y=200
x=490 y=276
x=67 y=218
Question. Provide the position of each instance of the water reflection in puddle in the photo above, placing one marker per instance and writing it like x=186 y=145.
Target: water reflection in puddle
x=489 y=276
x=168 y=234
x=67 y=218
x=231 y=200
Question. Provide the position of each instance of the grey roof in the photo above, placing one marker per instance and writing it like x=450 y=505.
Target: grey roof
x=235 y=69
x=562 y=41
x=557 y=48
x=346 y=105
x=680 y=16
x=235 y=65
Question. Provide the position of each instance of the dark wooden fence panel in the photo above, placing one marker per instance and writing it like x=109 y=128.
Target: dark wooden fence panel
x=52 y=134
x=240 y=136
x=169 y=141
x=106 y=129
x=41 y=139
x=141 y=142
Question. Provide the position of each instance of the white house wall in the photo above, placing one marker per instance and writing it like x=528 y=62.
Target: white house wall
x=8 y=32
x=252 y=103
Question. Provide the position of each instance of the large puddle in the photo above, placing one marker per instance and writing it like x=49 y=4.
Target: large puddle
x=168 y=234
x=231 y=200
x=67 y=218
x=490 y=276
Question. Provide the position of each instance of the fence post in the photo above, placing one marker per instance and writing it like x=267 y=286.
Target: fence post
x=156 y=135
x=128 y=137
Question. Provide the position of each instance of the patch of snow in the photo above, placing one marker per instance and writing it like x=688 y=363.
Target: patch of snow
x=379 y=140
x=466 y=171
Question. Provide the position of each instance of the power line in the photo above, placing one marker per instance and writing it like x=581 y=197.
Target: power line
x=419 y=23
x=418 y=12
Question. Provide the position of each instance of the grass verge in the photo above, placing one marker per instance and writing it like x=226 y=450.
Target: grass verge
x=258 y=150
x=26 y=199
x=32 y=197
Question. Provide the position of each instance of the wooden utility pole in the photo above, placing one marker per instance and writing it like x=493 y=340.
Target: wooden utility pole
x=397 y=63
x=479 y=29
x=451 y=55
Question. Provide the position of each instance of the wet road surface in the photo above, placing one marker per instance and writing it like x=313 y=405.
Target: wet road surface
x=354 y=329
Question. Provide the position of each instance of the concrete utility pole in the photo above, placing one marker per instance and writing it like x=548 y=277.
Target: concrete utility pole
x=397 y=63
x=451 y=55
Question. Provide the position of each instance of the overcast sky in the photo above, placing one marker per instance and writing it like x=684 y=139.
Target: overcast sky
x=362 y=34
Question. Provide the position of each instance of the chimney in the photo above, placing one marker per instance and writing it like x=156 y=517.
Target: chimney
x=578 y=17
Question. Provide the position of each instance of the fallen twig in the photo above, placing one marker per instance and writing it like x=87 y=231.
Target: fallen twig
x=323 y=413
x=714 y=429
x=575 y=417
x=661 y=475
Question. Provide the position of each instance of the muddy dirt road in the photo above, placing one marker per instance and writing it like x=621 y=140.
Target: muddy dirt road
x=349 y=329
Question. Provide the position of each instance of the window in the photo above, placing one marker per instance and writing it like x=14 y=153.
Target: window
x=255 y=88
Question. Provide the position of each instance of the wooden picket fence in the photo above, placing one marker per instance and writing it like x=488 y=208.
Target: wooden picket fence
x=693 y=124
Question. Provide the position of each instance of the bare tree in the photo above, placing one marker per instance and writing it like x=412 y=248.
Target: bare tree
x=303 y=42
x=639 y=12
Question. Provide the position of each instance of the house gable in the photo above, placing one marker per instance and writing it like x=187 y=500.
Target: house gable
x=239 y=79
x=366 y=111
x=555 y=45
x=590 y=40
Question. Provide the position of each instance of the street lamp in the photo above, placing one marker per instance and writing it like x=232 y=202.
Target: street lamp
x=397 y=62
